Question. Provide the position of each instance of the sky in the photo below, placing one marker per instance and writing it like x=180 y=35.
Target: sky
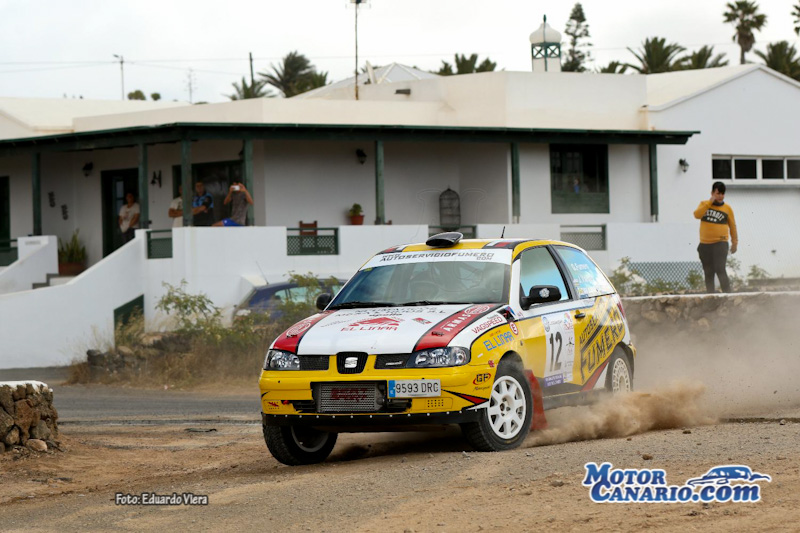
x=66 y=48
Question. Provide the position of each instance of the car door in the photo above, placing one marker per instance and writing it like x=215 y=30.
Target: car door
x=602 y=325
x=549 y=330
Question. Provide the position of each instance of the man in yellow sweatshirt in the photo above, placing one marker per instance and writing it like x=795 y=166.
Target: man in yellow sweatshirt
x=716 y=217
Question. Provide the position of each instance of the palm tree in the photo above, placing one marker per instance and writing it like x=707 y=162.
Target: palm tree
x=782 y=57
x=614 y=67
x=466 y=65
x=244 y=91
x=290 y=77
x=703 y=58
x=746 y=18
x=657 y=56
x=316 y=79
x=796 y=15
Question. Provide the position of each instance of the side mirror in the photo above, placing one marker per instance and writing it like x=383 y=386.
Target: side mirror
x=540 y=294
x=323 y=300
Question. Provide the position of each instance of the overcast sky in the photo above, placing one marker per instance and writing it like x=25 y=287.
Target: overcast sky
x=51 y=48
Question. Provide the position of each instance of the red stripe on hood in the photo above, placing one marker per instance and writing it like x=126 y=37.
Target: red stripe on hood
x=290 y=338
x=442 y=333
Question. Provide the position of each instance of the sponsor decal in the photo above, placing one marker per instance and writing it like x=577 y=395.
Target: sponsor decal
x=274 y=404
x=546 y=324
x=299 y=328
x=477 y=309
x=481 y=378
x=605 y=333
x=470 y=255
x=477 y=400
x=448 y=328
x=496 y=341
x=513 y=327
x=503 y=244
x=491 y=363
x=558 y=379
x=489 y=323
x=348 y=394
x=421 y=320
x=290 y=339
x=381 y=323
x=724 y=483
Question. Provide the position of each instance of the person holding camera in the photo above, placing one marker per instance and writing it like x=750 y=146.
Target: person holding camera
x=202 y=206
x=239 y=198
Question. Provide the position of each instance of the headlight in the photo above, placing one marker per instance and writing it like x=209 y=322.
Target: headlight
x=279 y=360
x=439 y=357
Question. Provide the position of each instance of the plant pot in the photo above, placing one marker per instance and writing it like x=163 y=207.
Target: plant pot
x=356 y=220
x=70 y=269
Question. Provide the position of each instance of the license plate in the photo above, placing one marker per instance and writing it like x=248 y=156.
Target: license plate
x=414 y=388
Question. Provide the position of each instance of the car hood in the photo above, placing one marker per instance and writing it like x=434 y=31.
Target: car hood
x=382 y=330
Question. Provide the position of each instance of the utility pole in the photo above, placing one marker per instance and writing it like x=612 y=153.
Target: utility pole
x=357 y=3
x=252 y=78
x=190 y=85
x=121 y=72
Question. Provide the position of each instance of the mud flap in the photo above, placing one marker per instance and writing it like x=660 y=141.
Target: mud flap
x=538 y=420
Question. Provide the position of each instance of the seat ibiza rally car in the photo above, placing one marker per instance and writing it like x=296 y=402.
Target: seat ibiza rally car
x=484 y=334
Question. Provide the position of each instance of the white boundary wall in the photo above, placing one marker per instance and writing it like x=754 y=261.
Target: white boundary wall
x=37 y=257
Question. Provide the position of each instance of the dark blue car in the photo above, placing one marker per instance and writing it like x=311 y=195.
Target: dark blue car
x=722 y=475
x=267 y=298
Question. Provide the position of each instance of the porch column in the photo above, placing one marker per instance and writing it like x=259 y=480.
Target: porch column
x=36 y=178
x=247 y=158
x=653 y=183
x=515 y=200
x=186 y=180
x=144 y=193
x=380 y=214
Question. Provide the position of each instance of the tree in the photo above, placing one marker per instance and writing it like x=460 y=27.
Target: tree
x=245 y=91
x=782 y=57
x=294 y=75
x=155 y=97
x=746 y=19
x=703 y=58
x=656 y=55
x=614 y=67
x=577 y=29
x=796 y=15
x=466 y=65
x=136 y=95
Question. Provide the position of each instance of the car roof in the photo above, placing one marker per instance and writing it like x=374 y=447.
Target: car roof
x=517 y=245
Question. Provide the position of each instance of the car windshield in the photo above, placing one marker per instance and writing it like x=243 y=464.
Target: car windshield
x=426 y=283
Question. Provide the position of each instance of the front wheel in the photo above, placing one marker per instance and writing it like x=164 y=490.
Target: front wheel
x=619 y=377
x=505 y=423
x=298 y=445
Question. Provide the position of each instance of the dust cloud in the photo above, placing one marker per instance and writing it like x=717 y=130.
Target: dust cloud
x=676 y=405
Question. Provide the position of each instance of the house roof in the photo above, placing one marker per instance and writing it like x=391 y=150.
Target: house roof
x=670 y=88
x=391 y=73
x=52 y=115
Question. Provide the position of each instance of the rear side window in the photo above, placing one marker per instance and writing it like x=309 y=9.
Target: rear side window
x=537 y=267
x=588 y=279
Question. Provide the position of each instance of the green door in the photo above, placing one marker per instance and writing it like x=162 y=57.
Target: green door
x=115 y=185
x=5 y=210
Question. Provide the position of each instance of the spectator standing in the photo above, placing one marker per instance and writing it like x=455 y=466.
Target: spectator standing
x=128 y=219
x=716 y=219
x=239 y=198
x=176 y=209
x=202 y=206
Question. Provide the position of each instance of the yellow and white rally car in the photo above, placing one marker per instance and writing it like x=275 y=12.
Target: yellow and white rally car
x=484 y=334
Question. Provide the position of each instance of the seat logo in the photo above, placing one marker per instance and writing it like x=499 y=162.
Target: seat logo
x=351 y=362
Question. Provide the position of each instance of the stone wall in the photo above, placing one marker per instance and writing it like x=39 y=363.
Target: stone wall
x=27 y=416
x=707 y=312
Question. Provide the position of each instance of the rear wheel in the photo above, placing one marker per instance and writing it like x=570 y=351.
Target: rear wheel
x=298 y=445
x=505 y=423
x=619 y=377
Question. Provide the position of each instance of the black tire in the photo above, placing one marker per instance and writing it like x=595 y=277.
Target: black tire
x=620 y=381
x=299 y=445
x=510 y=426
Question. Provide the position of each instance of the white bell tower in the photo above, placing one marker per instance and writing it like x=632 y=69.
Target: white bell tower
x=545 y=49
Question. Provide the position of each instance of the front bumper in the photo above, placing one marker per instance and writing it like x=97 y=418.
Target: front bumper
x=288 y=397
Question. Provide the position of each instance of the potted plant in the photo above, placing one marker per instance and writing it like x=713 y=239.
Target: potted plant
x=356 y=214
x=71 y=256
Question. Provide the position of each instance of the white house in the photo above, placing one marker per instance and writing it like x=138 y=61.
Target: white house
x=616 y=163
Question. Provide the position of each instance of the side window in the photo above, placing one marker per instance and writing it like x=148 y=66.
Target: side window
x=537 y=267
x=589 y=280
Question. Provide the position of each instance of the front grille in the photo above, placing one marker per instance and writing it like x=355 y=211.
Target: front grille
x=349 y=397
x=314 y=362
x=391 y=360
x=351 y=362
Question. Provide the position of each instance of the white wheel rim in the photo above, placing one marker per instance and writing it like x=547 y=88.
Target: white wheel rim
x=620 y=378
x=312 y=444
x=507 y=408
